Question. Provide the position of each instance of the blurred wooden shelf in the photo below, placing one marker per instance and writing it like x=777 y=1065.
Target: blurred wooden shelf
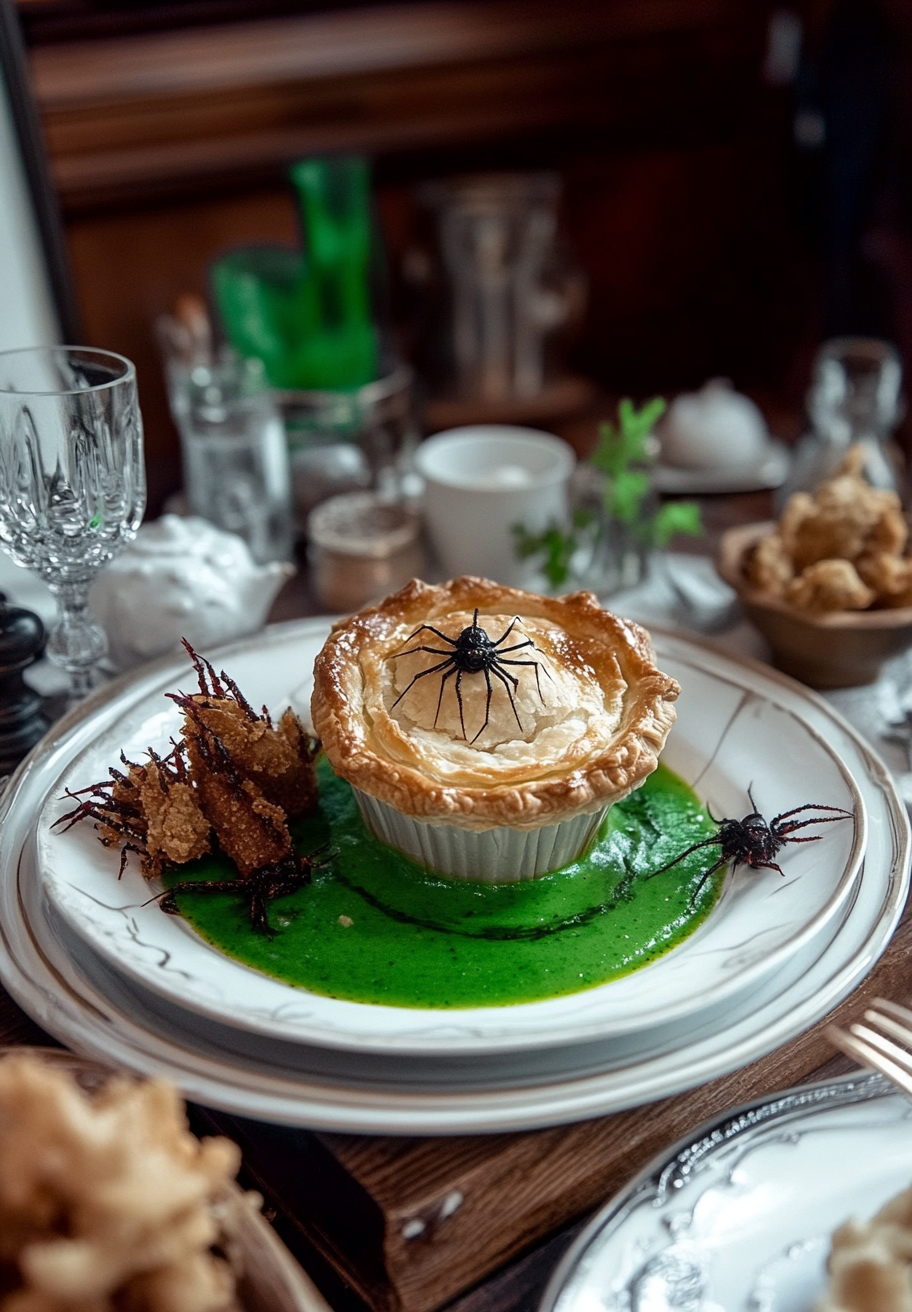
x=138 y=115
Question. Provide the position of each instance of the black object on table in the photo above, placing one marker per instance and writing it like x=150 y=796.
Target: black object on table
x=22 y=718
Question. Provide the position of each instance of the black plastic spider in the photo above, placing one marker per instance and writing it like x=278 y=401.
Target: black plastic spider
x=473 y=653
x=260 y=887
x=754 y=841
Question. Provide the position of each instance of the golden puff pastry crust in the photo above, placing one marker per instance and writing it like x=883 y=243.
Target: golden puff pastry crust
x=590 y=715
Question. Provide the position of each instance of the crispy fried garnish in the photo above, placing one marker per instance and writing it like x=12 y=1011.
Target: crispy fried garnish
x=178 y=831
x=251 y=830
x=279 y=761
x=152 y=810
x=830 y=585
x=769 y=566
x=234 y=773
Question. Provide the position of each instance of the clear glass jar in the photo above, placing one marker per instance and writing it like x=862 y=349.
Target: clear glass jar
x=342 y=441
x=854 y=400
x=235 y=457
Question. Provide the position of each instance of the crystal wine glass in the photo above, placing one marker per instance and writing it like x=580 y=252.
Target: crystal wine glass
x=72 y=482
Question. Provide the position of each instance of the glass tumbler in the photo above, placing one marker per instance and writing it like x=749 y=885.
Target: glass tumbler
x=72 y=482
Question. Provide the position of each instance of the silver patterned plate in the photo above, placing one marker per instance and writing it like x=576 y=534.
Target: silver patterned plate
x=736 y=728
x=739 y=1216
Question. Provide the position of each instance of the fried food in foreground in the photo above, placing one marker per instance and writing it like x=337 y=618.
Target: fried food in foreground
x=840 y=549
x=107 y=1203
x=869 y=1264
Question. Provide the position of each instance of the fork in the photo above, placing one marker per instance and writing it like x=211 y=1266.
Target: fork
x=873 y=1043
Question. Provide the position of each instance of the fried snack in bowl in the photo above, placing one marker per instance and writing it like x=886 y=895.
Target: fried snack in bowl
x=830 y=585
x=870 y=1263
x=825 y=649
x=108 y=1202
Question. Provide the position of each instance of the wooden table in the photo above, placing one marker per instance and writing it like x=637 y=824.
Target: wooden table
x=413 y=1224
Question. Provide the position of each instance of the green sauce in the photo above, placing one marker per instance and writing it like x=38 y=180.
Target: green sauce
x=419 y=940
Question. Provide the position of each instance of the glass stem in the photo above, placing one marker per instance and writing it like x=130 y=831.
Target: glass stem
x=76 y=643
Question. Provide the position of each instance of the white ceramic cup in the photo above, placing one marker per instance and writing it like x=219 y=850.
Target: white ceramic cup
x=481 y=481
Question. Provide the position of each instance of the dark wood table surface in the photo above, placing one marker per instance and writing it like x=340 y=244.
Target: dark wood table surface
x=348 y=1205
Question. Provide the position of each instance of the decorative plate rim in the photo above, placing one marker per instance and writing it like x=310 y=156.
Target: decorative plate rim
x=469 y=1031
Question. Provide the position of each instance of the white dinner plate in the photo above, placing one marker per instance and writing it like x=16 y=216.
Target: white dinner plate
x=739 y=1217
x=81 y=1000
x=734 y=731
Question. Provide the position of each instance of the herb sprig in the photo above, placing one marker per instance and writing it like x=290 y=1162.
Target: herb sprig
x=623 y=454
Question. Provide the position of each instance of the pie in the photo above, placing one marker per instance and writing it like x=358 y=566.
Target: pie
x=575 y=719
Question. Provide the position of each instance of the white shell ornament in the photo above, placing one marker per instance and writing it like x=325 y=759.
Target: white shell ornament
x=714 y=428
x=182 y=578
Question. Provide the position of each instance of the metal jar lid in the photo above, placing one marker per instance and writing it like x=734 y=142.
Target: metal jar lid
x=361 y=524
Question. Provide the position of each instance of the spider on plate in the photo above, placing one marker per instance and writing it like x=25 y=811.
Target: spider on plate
x=755 y=841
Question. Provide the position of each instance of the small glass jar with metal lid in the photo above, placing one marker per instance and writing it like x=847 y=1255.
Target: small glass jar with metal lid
x=361 y=548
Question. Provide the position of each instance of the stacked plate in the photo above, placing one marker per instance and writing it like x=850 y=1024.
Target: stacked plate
x=99 y=966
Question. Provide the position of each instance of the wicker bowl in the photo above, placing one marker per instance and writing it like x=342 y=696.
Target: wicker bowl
x=838 y=649
x=268 y=1277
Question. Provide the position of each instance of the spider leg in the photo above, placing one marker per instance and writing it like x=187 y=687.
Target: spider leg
x=703 y=878
x=768 y=865
x=507 y=633
x=506 y=680
x=259 y=920
x=535 y=666
x=459 y=699
x=811 y=806
x=803 y=824
x=695 y=847
x=432 y=670
x=750 y=794
x=487 y=675
x=430 y=628
x=434 y=651
x=809 y=838
x=517 y=646
x=443 y=680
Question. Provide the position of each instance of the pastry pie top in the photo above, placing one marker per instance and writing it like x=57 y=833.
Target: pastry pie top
x=580 y=727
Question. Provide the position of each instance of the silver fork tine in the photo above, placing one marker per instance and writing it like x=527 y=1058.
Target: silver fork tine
x=902 y=1013
x=869 y=1056
x=901 y=1032
x=884 y=1045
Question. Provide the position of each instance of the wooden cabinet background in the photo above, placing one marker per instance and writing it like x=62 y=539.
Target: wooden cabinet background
x=167 y=147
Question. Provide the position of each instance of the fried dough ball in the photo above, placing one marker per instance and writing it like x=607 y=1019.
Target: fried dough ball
x=829 y=585
x=890 y=577
x=846 y=517
x=108 y=1203
x=799 y=507
x=769 y=566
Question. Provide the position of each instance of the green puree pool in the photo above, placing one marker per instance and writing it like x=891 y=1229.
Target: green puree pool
x=418 y=940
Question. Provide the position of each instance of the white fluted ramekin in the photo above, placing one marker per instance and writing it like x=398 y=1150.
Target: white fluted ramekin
x=493 y=856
